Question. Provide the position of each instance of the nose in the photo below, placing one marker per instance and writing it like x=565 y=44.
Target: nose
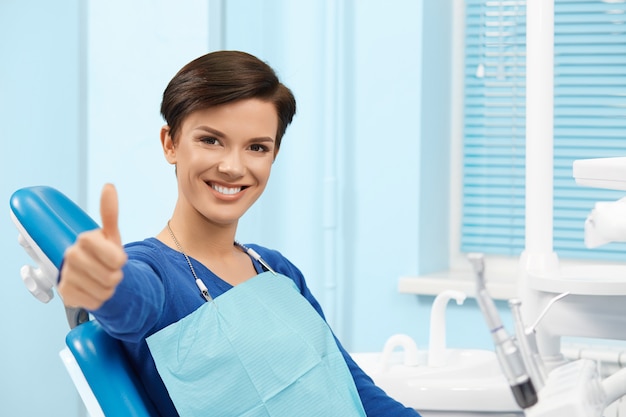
x=232 y=164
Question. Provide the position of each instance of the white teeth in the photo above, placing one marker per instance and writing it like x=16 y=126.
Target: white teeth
x=225 y=190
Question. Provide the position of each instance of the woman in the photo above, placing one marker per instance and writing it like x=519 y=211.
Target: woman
x=214 y=327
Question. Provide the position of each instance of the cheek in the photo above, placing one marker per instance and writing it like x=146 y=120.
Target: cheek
x=196 y=161
x=264 y=172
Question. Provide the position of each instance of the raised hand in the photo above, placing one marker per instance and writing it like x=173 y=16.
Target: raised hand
x=92 y=267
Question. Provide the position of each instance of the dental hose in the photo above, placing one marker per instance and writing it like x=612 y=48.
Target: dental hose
x=507 y=352
x=615 y=386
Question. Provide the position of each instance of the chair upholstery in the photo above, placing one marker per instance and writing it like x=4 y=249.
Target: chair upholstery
x=49 y=222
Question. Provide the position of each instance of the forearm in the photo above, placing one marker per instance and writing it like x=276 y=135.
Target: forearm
x=136 y=304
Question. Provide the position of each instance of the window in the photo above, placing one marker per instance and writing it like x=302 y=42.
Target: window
x=589 y=121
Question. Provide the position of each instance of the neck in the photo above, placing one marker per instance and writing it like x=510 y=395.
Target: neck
x=199 y=236
x=232 y=264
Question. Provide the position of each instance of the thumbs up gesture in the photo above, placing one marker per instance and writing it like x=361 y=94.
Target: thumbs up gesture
x=92 y=267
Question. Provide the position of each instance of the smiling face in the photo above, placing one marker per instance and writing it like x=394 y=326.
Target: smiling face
x=223 y=158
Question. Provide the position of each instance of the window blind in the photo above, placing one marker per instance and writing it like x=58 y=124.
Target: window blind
x=589 y=121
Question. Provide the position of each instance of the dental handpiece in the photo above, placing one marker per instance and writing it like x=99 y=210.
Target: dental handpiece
x=506 y=349
x=527 y=342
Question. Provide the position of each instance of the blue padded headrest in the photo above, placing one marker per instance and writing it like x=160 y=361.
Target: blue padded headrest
x=51 y=219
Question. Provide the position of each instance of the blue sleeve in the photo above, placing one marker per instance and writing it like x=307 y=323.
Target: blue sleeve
x=137 y=303
x=375 y=401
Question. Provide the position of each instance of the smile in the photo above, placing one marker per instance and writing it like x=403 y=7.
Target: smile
x=226 y=190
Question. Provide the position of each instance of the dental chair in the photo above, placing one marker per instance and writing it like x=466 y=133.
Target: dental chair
x=48 y=223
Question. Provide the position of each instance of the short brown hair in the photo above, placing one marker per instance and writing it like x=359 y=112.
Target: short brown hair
x=222 y=77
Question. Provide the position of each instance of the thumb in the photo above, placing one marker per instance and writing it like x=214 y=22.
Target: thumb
x=109 y=212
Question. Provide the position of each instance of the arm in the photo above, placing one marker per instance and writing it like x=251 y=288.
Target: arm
x=92 y=266
x=136 y=304
x=96 y=275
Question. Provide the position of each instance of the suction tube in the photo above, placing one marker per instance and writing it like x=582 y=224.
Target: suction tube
x=615 y=386
x=509 y=355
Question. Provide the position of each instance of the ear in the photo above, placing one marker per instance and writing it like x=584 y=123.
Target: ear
x=169 y=148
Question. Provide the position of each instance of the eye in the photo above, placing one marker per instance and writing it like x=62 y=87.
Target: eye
x=209 y=140
x=256 y=147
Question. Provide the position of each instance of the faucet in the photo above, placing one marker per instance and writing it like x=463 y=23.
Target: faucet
x=437 y=338
x=406 y=343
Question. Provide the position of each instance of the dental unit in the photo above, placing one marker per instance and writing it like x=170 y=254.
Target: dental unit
x=588 y=303
x=582 y=301
x=596 y=293
x=544 y=389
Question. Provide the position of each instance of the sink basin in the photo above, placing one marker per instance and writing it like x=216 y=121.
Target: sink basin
x=471 y=382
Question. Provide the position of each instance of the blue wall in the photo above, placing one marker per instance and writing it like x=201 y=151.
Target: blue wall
x=129 y=68
x=358 y=196
x=40 y=77
x=385 y=152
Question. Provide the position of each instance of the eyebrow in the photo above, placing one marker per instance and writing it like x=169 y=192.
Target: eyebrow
x=210 y=130
x=221 y=134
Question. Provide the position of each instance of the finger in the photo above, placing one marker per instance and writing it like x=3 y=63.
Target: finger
x=109 y=214
x=101 y=263
x=87 y=288
x=75 y=296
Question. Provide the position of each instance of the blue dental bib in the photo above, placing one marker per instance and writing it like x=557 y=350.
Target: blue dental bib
x=258 y=350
